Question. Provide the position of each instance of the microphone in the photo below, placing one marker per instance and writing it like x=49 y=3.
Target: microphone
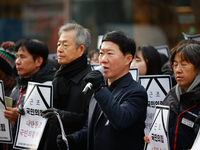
x=89 y=85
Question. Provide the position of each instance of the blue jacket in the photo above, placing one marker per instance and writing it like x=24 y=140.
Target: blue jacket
x=182 y=136
x=120 y=125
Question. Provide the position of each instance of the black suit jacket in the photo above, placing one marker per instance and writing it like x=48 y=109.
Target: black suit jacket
x=120 y=125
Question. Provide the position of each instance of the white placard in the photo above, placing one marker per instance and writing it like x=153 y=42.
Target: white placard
x=196 y=145
x=158 y=135
x=134 y=72
x=5 y=125
x=53 y=56
x=94 y=65
x=99 y=40
x=31 y=125
x=163 y=49
x=194 y=37
x=157 y=87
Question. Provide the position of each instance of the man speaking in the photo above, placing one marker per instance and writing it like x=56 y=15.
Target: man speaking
x=117 y=110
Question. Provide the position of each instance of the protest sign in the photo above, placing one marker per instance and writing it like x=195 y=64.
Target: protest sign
x=158 y=135
x=99 y=40
x=134 y=72
x=163 y=49
x=5 y=125
x=194 y=37
x=94 y=65
x=31 y=125
x=157 y=87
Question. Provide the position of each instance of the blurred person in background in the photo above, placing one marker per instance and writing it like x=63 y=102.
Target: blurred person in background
x=94 y=56
x=148 y=60
x=31 y=65
x=7 y=61
x=183 y=98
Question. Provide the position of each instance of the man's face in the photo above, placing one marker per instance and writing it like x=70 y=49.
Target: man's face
x=114 y=62
x=25 y=64
x=66 y=48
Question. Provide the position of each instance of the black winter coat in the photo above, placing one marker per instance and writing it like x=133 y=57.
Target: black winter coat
x=182 y=136
x=77 y=108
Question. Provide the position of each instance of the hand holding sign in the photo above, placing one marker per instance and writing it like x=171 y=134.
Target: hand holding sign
x=31 y=125
x=158 y=136
x=5 y=128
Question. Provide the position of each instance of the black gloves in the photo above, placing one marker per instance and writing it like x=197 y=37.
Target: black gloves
x=50 y=114
x=96 y=78
x=62 y=145
x=20 y=109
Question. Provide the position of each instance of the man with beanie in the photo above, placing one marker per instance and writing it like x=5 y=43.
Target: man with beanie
x=117 y=109
x=68 y=99
x=7 y=61
x=31 y=65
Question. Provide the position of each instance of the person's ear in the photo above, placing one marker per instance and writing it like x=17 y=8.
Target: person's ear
x=129 y=59
x=81 y=50
x=39 y=61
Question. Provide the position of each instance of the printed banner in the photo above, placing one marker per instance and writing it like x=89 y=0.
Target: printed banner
x=5 y=126
x=157 y=87
x=31 y=125
x=158 y=135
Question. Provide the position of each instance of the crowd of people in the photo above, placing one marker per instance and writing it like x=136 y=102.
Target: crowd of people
x=111 y=116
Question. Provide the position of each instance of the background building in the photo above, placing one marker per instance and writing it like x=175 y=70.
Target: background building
x=154 y=22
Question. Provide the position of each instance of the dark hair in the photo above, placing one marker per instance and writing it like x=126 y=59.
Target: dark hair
x=190 y=51
x=8 y=81
x=152 y=59
x=35 y=47
x=92 y=52
x=125 y=43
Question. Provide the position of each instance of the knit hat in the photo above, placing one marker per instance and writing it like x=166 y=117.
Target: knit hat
x=7 y=57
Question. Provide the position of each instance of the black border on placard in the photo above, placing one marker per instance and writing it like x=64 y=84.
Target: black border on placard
x=155 y=77
x=43 y=99
x=163 y=47
x=137 y=72
x=9 y=123
x=161 y=108
x=190 y=36
x=94 y=65
x=3 y=100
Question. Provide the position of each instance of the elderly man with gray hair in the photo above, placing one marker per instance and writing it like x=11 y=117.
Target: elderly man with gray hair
x=68 y=99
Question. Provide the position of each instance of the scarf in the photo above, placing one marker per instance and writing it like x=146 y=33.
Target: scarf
x=179 y=89
x=61 y=87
